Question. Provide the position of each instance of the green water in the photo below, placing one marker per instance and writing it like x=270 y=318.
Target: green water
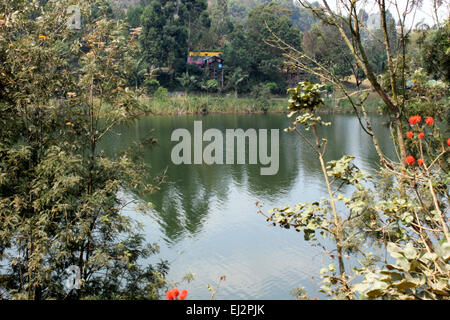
x=205 y=218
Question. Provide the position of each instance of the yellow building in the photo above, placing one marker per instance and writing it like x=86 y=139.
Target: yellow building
x=210 y=62
x=205 y=54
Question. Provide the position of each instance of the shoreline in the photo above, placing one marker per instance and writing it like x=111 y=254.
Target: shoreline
x=242 y=112
x=213 y=104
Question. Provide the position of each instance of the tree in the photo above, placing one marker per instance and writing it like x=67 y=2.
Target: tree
x=171 y=28
x=267 y=61
x=436 y=52
x=236 y=79
x=134 y=16
x=300 y=17
x=325 y=44
x=210 y=85
x=59 y=202
x=372 y=38
x=250 y=46
x=221 y=24
x=187 y=81
x=261 y=95
x=238 y=11
x=163 y=38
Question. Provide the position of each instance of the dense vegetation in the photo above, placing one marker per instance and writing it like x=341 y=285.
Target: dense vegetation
x=59 y=196
x=246 y=32
x=63 y=89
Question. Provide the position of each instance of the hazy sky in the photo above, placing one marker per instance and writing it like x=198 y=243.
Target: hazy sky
x=425 y=13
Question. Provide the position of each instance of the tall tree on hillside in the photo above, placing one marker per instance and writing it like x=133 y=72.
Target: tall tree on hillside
x=325 y=44
x=170 y=28
x=263 y=23
x=153 y=21
x=134 y=16
x=300 y=17
x=221 y=23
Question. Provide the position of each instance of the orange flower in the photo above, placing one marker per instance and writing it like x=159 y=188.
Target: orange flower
x=409 y=134
x=420 y=162
x=448 y=141
x=183 y=294
x=169 y=295
x=429 y=121
x=174 y=293
x=421 y=135
x=410 y=160
x=414 y=120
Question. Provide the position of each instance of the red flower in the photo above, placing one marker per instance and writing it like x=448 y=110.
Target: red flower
x=429 y=120
x=183 y=294
x=409 y=134
x=420 y=162
x=448 y=141
x=174 y=293
x=410 y=160
x=170 y=295
x=421 y=135
x=414 y=120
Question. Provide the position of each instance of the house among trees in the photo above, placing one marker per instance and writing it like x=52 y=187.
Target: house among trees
x=210 y=61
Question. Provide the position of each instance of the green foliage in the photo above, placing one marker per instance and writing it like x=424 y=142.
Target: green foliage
x=59 y=194
x=163 y=39
x=161 y=93
x=325 y=44
x=427 y=96
x=152 y=85
x=261 y=94
x=236 y=79
x=417 y=274
x=313 y=218
x=307 y=120
x=187 y=81
x=273 y=87
x=436 y=52
x=300 y=294
x=169 y=29
x=134 y=16
x=252 y=48
x=210 y=85
x=306 y=96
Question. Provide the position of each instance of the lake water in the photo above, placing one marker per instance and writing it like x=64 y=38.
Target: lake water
x=206 y=222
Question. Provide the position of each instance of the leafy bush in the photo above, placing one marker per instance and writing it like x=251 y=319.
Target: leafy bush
x=273 y=87
x=162 y=93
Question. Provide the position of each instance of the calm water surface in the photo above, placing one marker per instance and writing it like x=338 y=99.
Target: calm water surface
x=205 y=220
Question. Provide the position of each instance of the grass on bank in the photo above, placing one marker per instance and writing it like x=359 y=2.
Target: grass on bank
x=197 y=104
x=212 y=103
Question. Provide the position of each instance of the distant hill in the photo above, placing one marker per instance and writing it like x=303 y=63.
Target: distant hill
x=239 y=10
x=133 y=3
x=125 y=3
